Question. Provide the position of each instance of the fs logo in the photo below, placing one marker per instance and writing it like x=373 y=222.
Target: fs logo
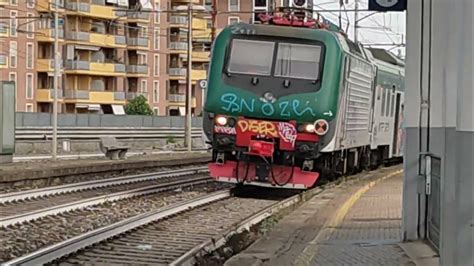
x=387 y=5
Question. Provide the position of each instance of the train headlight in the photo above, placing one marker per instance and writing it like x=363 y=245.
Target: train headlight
x=306 y=128
x=309 y=128
x=321 y=127
x=221 y=120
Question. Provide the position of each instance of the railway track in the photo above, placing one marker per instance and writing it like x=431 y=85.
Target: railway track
x=28 y=205
x=173 y=234
x=175 y=230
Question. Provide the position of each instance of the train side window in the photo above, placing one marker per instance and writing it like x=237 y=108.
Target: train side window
x=392 y=107
x=387 y=104
x=382 y=110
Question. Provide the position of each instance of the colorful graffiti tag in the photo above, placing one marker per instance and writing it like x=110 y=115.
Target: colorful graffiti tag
x=225 y=130
x=258 y=127
x=233 y=103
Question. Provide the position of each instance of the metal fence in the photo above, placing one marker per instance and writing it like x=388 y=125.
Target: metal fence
x=28 y=120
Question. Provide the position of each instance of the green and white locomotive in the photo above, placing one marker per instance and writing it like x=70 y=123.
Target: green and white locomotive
x=294 y=100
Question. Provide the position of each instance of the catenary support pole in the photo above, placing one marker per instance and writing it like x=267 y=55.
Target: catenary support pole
x=189 y=86
x=56 y=81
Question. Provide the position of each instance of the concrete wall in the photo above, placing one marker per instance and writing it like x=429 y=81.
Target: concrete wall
x=96 y=120
x=439 y=120
x=140 y=133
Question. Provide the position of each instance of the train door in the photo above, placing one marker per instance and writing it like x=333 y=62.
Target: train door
x=398 y=130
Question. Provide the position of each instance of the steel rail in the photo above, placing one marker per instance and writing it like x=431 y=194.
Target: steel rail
x=47 y=191
x=66 y=247
x=20 y=218
x=212 y=244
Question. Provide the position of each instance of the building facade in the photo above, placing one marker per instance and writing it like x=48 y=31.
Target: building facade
x=111 y=51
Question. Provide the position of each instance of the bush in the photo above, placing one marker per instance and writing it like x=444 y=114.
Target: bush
x=138 y=106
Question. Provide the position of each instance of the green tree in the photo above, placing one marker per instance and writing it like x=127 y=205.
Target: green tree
x=138 y=106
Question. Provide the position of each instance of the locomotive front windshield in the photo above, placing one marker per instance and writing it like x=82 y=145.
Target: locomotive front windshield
x=292 y=60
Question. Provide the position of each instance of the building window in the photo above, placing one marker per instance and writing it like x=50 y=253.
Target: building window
x=30 y=3
x=260 y=3
x=143 y=86
x=156 y=91
x=233 y=20
x=208 y=22
x=156 y=111
x=30 y=26
x=157 y=12
x=29 y=107
x=29 y=55
x=13 y=54
x=142 y=59
x=13 y=23
x=143 y=32
x=14 y=2
x=156 y=39
x=234 y=5
x=29 y=86
x=156 y=65
x=12 y=77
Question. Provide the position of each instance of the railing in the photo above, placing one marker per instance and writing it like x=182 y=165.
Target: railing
x=81 y=7
x=177 y=71
x=133 y=95
x=77 y=65
x=3 y=60
x=78 y=35
x=137 y=69
x=178 y=20
x=138 y=15
x=139 y=41
x=76 y=94
x=178 y=46
x=176 y=97
x=119 y=96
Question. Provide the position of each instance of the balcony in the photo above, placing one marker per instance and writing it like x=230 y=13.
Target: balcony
x=132 y=95
x=3 y=29
x=202 y=35
x=97 y=39
x=95 y=9
x=4 y=2
x=47 y=95
x=76 y=95
x=3 y=61
x=179 y=46
x=180 y=74
x=182 y=22
x=137 y=70
x=94 y=68
x=137 y=42
x=45 y=65
x=48 y=5
x=97 y=97
x=138 y=17
x=183 y=2
x=198 y=56
x=180 y=99
x=47 y=35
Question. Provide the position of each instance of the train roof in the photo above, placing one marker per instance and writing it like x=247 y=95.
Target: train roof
x=386 y=56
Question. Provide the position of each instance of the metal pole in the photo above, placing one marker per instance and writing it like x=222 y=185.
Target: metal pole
x=214 y=17
x=189 y=90
x=356 y=22
x=56 y=80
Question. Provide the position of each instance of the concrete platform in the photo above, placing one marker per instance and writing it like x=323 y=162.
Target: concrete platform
x=21 y=171
x=356 y=223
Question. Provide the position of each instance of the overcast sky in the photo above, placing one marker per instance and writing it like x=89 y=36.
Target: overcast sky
x=380 y=28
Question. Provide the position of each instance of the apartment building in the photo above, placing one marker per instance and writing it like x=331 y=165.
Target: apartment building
x=112 y=51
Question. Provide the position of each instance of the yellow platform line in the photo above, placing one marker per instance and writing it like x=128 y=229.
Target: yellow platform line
x=305 y=258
